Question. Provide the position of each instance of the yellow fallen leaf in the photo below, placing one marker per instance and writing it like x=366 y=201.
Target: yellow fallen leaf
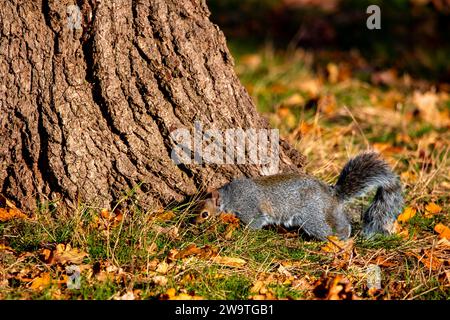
x=171 y=292
x=228 y=261
x=444 y=231
x=41 y=282
x=407 y=214
x=431 y=209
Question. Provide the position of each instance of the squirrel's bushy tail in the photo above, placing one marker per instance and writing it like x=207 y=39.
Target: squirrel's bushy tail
x=362 y=173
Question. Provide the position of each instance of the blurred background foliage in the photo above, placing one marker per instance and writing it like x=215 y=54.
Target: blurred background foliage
x=413 y=38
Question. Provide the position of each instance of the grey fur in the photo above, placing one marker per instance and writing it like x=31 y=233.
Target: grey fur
x=318 y=208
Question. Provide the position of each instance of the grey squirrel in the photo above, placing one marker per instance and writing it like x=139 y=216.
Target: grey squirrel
x=300 y=200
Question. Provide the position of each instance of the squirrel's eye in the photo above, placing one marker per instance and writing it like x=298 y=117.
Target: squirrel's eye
x=204 y=214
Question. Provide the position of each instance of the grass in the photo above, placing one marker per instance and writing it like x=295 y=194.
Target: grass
x=131 y=251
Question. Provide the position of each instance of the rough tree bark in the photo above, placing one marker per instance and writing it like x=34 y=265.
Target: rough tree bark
x=86 y=113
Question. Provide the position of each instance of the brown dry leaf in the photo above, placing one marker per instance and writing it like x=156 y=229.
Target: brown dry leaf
x=407 y=214
x=190 y=250
x=432 y=209
x=66 y=254
x=41 y=282
x=337 y=288
x=444 y=231
x=229 y=262
x=335 y=245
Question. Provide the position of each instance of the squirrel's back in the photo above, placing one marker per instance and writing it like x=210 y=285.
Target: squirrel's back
x=318 y=208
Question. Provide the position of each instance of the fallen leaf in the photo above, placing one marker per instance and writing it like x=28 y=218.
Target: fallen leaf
x=229 y=218
x=407 y=214
x=257 y=286
x=7 y=214
x=334 y=288
x=171 y=292
x=444 y=231
x=228 y=261
x=190 y=250
x=432 y=209
x=41 y=282
x=335 y=245
x=66 y=254
x=163 y=267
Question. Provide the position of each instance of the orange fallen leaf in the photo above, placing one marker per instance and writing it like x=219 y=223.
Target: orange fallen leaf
x=190 y=250
x=41 y=282
x=335 y=245
x=7 y=214
x=407 y=214
x=431 y=209
x=229 y=218
x=171 y=292
x=444 y=231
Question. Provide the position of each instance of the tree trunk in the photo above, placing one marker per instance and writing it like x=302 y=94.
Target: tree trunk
x=87 y=109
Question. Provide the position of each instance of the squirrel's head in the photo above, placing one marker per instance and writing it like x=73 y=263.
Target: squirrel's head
x=208 y=208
